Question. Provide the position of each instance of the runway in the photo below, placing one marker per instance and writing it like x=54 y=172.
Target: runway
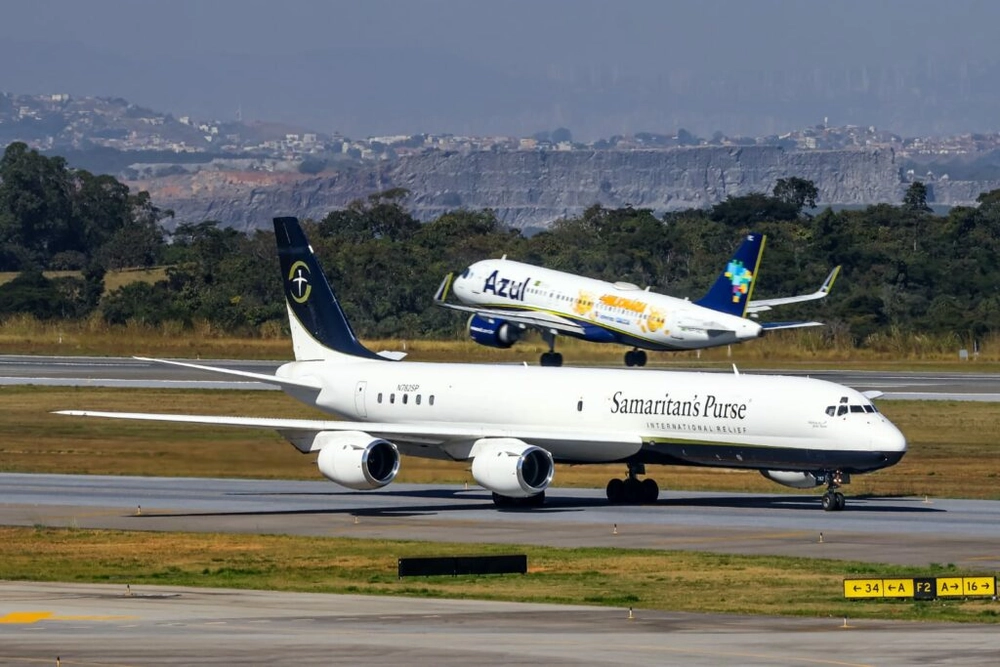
x=907 y=531
x=131 y=373
x=91 y=625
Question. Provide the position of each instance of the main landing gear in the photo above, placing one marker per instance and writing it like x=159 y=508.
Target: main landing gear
x=833 y=500
x=550 y=358
x=631 y=490
x=635 y=358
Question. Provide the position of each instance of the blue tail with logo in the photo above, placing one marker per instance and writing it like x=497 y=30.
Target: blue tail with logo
x=320 y=329
x=732 y=290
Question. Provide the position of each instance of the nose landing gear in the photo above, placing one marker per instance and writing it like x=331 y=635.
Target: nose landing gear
x=833 y=500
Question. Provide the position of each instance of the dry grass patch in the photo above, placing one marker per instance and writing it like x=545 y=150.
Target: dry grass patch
x=642 y=579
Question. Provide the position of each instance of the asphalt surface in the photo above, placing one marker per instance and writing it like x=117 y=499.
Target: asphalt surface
x=108 y=626
x=907 y=531
x=127 y=372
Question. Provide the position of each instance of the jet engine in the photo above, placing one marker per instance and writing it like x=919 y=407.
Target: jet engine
x=357 y=460
x=511 y=467
x=493 y=332
x=794 y=479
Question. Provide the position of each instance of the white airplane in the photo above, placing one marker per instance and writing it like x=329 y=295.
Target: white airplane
x=506 y=298
x=514 y=422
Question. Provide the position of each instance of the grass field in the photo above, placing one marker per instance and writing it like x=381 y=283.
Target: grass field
x=644 y=579
x=952 y=446
x=952 y=454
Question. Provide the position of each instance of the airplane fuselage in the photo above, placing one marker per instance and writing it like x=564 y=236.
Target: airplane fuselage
x=608 y=312
x=726 y=420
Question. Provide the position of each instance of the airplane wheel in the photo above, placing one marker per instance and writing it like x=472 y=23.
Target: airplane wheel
x=640 y=357
x=828 y=502
x=629 y=359
x=552 y=359
x=633 y=491
x=615 y=491
x=502 y=501
x=839 y=501
x=650 y=490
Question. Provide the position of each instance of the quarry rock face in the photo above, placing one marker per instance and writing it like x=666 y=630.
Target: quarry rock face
x=534 y=188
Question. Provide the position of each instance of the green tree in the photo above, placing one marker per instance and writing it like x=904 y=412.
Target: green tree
x=799 y=192
x=35 y=205
x=915 y=199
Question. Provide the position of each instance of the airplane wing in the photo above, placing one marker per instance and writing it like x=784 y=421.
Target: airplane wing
x=761 y=305
x=538 y=319
x=300 y=431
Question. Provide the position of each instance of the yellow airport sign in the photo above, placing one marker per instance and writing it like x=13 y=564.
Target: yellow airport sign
x=862 y=588
x=950 y=587
x=921 y=588
x=897 y=588
x=974 y=586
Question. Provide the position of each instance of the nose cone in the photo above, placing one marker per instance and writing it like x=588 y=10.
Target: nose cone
x=889 y=439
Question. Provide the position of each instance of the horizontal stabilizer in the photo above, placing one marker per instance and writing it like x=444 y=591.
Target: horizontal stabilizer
x=760 y=305
x=773 y=326
x=232 y=372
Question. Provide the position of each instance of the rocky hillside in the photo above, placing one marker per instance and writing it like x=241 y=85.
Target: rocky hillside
x=531 y=189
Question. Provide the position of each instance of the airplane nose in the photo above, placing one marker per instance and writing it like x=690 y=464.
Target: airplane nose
x=889 y=439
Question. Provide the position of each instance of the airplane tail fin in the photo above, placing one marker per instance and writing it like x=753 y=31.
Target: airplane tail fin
x=320 y=329
x=733 y=288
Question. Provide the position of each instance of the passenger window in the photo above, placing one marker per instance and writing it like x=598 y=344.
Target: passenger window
x=392 y=398
x=842 y=410
x=832 y=410
x=405 y=396
x=430 y=400
x=418 y=399
x=380 y=397
x=579 y=405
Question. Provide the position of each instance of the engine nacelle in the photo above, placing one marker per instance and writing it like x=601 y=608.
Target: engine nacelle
x=511 y=467
x=356 y=460
x=493 y=332
x=794 y=478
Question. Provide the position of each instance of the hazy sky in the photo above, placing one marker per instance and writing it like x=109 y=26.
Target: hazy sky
x=517 y=66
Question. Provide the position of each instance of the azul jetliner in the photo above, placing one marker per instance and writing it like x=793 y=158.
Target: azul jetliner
x=514 y=422
x=506 y=298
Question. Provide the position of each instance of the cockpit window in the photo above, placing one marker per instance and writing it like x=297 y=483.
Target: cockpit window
x=844 y=408
x=465 y=274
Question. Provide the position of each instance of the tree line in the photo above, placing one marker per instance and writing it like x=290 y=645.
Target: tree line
x=904 y=268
